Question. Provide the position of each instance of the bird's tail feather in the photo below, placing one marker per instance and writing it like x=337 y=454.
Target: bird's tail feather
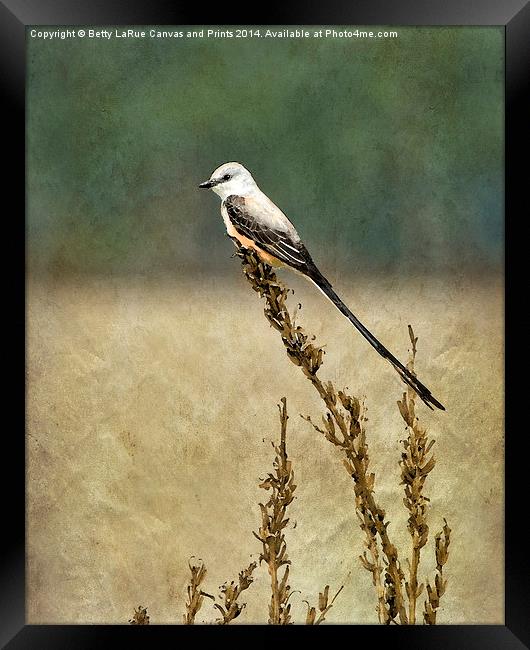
x=411 y=380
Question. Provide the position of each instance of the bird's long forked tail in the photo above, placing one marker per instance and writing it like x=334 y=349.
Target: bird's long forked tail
x=411 y=380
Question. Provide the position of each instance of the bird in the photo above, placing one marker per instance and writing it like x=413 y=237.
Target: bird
x=254 y=222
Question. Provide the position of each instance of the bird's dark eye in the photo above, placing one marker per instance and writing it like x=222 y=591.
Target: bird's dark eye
x=227 y=177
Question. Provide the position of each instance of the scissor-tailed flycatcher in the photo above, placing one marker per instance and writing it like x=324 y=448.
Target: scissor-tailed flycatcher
x=252 y=220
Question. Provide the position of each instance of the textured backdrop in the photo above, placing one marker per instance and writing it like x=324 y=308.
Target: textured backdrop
x=153 y=377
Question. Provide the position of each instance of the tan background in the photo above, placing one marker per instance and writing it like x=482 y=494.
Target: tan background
x=151 y=407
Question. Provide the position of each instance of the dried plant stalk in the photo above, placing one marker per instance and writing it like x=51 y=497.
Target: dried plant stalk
x=273 y=522
x=344 y=414
x=434 y=593
x=415 y=466
x=195 y=593
x=230 y=593
x=385 y=600
x=140 y=616
x=323 y=607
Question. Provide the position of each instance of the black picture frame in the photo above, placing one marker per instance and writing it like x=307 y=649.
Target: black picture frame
x=14 y=16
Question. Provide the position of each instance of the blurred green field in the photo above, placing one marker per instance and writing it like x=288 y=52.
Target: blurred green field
x=387 y=154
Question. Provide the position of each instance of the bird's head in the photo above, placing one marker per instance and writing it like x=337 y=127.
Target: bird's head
x=230 y=178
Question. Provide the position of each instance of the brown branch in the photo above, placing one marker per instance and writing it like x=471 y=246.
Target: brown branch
x=343 y=413
x=140 y=616
x=323 y=607
x=195 y=594
x=230 y=593
x=273 y=522
x=415 y=466
x=373 y=565
x=435 y=592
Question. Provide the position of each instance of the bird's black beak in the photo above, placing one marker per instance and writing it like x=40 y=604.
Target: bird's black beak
x=207 y=184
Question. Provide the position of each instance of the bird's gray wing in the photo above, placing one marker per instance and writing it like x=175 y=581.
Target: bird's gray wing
x=275 y=241
x=250 y=220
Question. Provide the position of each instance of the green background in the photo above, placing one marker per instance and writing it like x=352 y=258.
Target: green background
x=386 y=154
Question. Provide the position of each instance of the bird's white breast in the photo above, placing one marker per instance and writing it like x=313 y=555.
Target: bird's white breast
x=228 y=224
